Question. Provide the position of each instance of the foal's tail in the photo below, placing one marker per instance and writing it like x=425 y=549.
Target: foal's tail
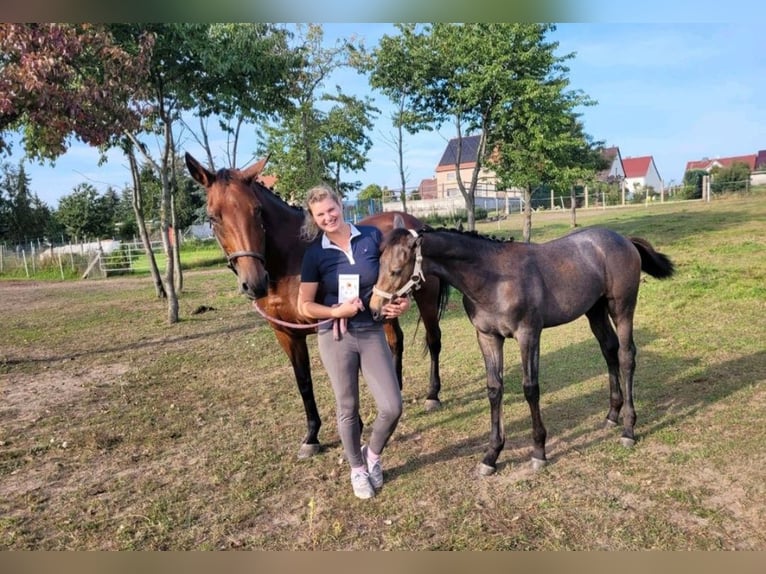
x=653 y=262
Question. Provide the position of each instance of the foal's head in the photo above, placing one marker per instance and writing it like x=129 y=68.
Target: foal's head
x=397 y=265
x=235 y=216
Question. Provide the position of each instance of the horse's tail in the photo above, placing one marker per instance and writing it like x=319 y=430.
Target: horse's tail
x=653 y=262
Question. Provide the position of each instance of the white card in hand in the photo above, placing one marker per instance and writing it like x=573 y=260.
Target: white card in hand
x=348 y=287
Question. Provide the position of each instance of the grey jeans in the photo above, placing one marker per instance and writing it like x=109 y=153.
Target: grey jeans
x=366 y=350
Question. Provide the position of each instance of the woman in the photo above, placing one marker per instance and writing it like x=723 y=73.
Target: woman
x=338 y=273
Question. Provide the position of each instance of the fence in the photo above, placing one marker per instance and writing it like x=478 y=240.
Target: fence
x=105 y=257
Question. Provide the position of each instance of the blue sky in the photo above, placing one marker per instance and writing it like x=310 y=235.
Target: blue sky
x=677 y=92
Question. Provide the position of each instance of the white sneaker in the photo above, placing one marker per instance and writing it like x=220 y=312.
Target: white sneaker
x=360 y=482
x=374 y=470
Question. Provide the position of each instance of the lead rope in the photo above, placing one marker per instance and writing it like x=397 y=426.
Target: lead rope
x=338 y=329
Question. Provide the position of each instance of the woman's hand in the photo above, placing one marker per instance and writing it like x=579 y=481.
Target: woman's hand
x=347 y=309
x=395 y=307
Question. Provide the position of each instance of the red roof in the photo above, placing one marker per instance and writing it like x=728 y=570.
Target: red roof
x=636 y=166
x=268 y=180
x=706 y=164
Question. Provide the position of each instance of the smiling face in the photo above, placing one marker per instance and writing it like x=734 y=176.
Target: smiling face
x=327 y=214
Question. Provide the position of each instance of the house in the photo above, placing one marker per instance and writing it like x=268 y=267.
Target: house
x=707 y=164
x=446 y=178
x=615 y=172
x=428 y=189
x=640 y=173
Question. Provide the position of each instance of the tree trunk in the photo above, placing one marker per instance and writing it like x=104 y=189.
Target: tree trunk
x=527 y=230
x=165 y=222
x=138 y=210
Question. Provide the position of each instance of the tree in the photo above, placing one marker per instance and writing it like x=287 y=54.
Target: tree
x=112 y=84
x=390 y=72
x=311 y=144
x=538 y=138
x=344 y=142
x=23 y=217
x=84 y=214
x=469 y=74
x=59 y=80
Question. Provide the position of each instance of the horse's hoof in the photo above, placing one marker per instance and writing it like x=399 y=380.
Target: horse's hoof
x=609 y=424
x=538 y=464
x=307 y=451
x=432 y=405
x=627 y=442
x=486 y=470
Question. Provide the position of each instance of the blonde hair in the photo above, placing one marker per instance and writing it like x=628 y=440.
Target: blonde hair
x=309 y=229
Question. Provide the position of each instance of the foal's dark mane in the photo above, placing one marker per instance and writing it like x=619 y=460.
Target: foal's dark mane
x=469 y=233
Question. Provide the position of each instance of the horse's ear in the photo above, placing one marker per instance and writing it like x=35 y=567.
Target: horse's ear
x=398 y=222
x=200 y=174
x=460 y=225
x=255 y=170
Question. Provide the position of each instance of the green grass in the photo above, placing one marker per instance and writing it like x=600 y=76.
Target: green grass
x=118 y=431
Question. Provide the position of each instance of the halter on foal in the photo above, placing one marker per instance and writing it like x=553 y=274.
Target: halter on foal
x=260 y=235
x=518 y=289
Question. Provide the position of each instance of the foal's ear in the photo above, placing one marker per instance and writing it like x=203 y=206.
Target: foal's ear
x=398 y=222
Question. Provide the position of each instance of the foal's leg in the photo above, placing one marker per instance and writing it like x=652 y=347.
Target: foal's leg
x=492 y=349
x=529 y=345
x=598 y=316
x=427 y=299
x=627 y=356
x=297 y=352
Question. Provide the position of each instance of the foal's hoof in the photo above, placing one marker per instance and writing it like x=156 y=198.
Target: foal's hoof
x=609 y=424
x=627 y=442
x=432 y=405
x=486 y=470
x=538 y=464
x=307 y=451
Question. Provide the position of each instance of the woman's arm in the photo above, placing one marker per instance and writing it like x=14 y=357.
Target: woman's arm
x=308 y=307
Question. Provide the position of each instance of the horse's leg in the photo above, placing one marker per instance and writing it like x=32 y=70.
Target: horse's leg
x=529 y=345
x=598 y=316
x=297 y=350
x=427 y=299
x=395 y=339
x=492 y=350
x=627 y=357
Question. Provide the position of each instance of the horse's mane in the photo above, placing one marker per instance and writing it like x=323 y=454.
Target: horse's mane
x=228 y=174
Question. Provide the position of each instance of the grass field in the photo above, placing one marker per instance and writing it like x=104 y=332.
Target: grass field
x=118 y=431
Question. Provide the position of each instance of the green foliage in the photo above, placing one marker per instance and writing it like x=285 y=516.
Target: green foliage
x=84 y=213
x=736 y=177
x=372 y=191
x=68 y=80
x=322 y=134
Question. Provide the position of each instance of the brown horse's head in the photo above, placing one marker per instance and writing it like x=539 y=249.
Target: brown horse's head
x=235 y=216
x=397 y=266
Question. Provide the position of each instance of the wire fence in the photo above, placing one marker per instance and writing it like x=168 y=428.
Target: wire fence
x=100 y=258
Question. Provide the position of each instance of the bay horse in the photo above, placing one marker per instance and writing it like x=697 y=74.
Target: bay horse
x=260 y=235
x=518 y=289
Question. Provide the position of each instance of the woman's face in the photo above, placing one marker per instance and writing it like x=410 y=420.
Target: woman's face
x=327 y=214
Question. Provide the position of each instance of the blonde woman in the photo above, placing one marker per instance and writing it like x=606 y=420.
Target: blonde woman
x=339 y=270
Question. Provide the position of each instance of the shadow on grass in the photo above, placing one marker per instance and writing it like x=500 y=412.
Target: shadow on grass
x=662 y=383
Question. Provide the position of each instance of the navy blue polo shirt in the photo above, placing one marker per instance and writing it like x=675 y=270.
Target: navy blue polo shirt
x=323 y=262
